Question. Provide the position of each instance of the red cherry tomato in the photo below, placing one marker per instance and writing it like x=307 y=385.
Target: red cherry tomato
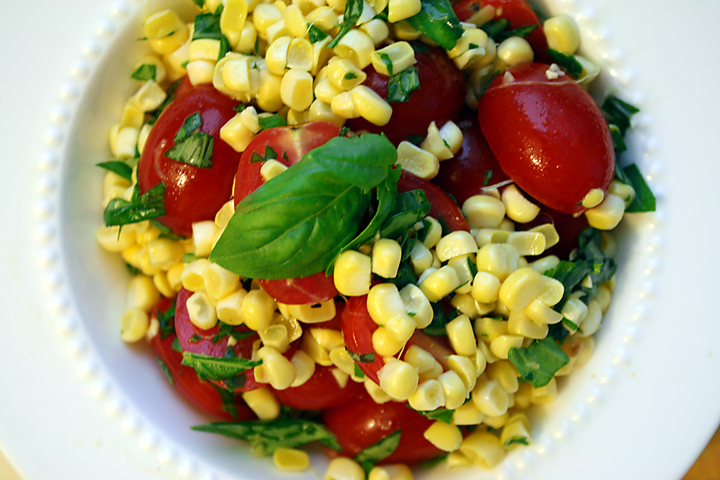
x=362 y=423
x=316 y=288
x=473 y=167
x=202 y=394
x=518 y=12
x=440 y=97
x=549 y=136
x=289 y=143
x=321 y=391
x=442 y=204
x=192 y=194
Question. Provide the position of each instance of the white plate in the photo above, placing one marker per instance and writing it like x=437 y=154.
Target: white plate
x=76 y=402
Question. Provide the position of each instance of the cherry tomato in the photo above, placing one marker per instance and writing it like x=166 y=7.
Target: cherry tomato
x=192 y=194
x=518 y=12
x=473 y=167
x=316 y=288
x=442 y=205
x=440 y=97
x=202 y=394
x=549 y=136
x=289 y=144
x=362 y=423
x=321 y=391
x=209 y=342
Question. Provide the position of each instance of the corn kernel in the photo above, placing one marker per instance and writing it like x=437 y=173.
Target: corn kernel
x=608 y=214
x=454 y=244
x=134 y=324
x=355 y=46
x=371 y=106
x=386 y=256
x=417 y=305
x=440 y=283
x=562 y=34
x=428 y=396
x=514 y=51
x=484 y=448
x=444 y=436
x=461 y=335
x=384 y=302
x=417 y=161
x=464 y=367
x=385 y=344
x=280 y=371
x=454 y=389
x=291 y=459
x=352 y=273
x=263 y=403
x=490 y=398
x=517 y=207
x=398 y=379
x=344 y=468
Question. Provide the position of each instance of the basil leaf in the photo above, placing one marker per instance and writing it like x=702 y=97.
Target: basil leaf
x=315 y=34
x=379 y=450
x=119 y=167
x=353 y=10
x=440 y=320
x=199 y=3
x=494 y=28
x=192 y=122
x=207 y=25
x=568 y=62
x=149 y=205
x=224 y=48
x=438 y=22
x=361 y=358
x=522 y=32
x=401 y=85
x=266 y=436
x=195 y=149
x=644 y=199
x=217 y=368
x=361 y=161
x=165 y=231
x=516 y=440
x=271 y=121
x=388 y=62
x=228 y=401
x=145 y=72
x=166 y=320
x=442 y=414
x=618 y=112
x=410 y=208
x=538 y=363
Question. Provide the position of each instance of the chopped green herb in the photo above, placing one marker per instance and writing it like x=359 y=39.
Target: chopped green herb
x=119 y=167
x=271 y=121
x=517 y=32
x=195 y=150
x=315 y=34
x=644 y=198
x=149 y=205
x=165 y=370
x=618 y=112
x=538 y=363
x=567 y=62
x=402 y=84
x=192 y=123
x=217 y=368
x=358 y=372
x=207 y=25
x=441 y=414
x=362 y=358
x=440 y=320
x=353 y=10
x=224 y=47
x=495 y=27
x=166 y=320
x=516 y=441
x=388 y=62
x=145 y=72
x=438 y=22
x=378 y=451
x=228 y=401
x=165 y=231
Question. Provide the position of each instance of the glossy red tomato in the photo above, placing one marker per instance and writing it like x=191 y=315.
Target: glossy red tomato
x=319 y=392
x=316 y=288
x=442 y=205
x=204 y=395
x=440 y=97
x=473 y=167
x=518 y=12
x=549 y=136
x=192 y=194
x=362 y=423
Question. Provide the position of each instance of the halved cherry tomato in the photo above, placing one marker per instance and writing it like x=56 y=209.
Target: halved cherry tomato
x=202 y=394
x=442 y=205
x=440 y=97
x=192 y=194
x=473 y=167
x=288 y=143
x=362 y=423
x=316 y=288
x=518 y=12
x=548 y=135
x=321 y=391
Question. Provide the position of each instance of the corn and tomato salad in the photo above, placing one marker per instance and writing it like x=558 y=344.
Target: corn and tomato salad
x=381 y=225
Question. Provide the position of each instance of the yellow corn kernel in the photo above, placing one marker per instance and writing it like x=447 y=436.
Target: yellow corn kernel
x=295 y=21
x=520 y=288
x=505 y=374
x=516 y=431
x=465 y=304
x=229 y=308
x=200 y=71
x=174 y=276
x=134 y=324
x=371 y=106
x=343 y=106
x=468 y=414
x=417 y=161
x=483 y=448
x=257 y=310
x=461 y=335
x=454 y=388
x=323 y=18
x=271 y=168
x=428 y=396
x=562 y=34
x=275 y=336
x=386 y=256
x=277 y=30
x=421 y=258
x=203 y=236
x=393 y=58
x=291 y=459
x=593 y=198
x=219 y=282
x=177 y=61
x=464 y=367
x=123 y=141
x=490 y=398
x=268 y=95
x=501 y=346
x=204 y=49
x=485 y=287
x=434 y=232
x=622 y=190
x=527 y=243
x=540 y=313
x=325 y=89
x=548 y=262
x=377 y=30
x=444 y=436
x=264 y=16
x=404 y=31
x=327 y=338
x=520 y=324
x=385 y=344
x=417 y=305
x=591 y=322
x=489 y=328
x=398 y=471
x=141 y=293
x=419 y=358
x=114 y=239
x=545 y=394
x=232 y=20
x=437 y=145
x=514 y=51
x=236 y=134
x=344 y=468
x=296 y=89
x=315 y=313
x=279 y=371
x=201 y=311
x=304 y=367
x=300 y=54
x=517 y=207
x=340 y=357
x=149 y=97
x=352 y=273
x=165 y=31
x=321 y=111
x=384 y=302
x=355 y=46
x=263 y=403
x=401 y=9
x=344 y=74
x=276 y=57
x=375 y=392
x=440 y=283
x=192 y=278
x=454 y=244
x=248 y=39
x=398 y=379
x=463 y=266
x=608 y=214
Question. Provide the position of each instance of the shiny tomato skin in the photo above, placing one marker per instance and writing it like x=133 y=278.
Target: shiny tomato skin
x=203 y=395
x=467 y=172
x=442 y=204
x=316 y=288
x=440 y=97
x=357 y=329
x=549 y=136
x=362 y=423
x=321 y=391
x=518 y=12
x=289 y=143
x=192 y=194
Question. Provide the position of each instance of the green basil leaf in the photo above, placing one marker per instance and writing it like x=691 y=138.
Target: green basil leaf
x=353 y=10
x=401 y=85
x=438 y=22
x=165 y=231
x=441 y=414
x=165 y=370
x=195 y=149
x=568 y=62
x=149 y=205
x=199 y=3
x=191 y=123
x=495 y=27
x=224 y=48
x=618 y=112
x=516 y=440
x=228 y=401
x=271 y=121
x=119 y=167
x=266 y=436
x=522 y=32
x=361 y=358
x=145 y=72
x=166 y=320
x=379 y=450
x=410 y=208
x=538 y=363
x=207 y=25
x=217 y=368
x=388 y=63
x=440 y=320
x=315 y=34
x=644 y=198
